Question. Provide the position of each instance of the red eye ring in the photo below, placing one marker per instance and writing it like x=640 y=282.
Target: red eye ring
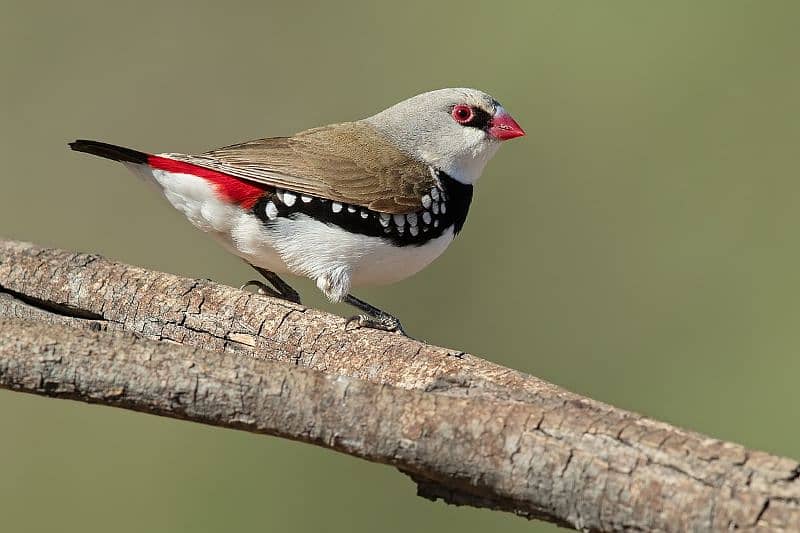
x=462 y=113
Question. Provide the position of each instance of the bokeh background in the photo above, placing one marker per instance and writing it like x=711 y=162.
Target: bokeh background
x=639 y=246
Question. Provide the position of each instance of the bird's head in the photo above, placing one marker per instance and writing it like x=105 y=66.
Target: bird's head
x=455 y=130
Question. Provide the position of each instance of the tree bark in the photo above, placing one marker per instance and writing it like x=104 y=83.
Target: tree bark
x=464 y=429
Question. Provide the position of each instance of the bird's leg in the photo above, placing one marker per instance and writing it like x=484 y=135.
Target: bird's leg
x=374 y=317
x=281 y=288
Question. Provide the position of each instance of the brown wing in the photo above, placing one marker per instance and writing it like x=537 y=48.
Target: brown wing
x=349 y=163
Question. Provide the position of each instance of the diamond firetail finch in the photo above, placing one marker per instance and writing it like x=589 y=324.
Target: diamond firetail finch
x=367 y=202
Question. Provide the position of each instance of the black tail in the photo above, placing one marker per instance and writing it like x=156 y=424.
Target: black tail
x=109 y=151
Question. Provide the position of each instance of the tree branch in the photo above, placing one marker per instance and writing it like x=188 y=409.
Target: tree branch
x=466 y=430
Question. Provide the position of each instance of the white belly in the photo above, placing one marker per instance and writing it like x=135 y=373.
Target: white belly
x=311 y=248
x=333 y=257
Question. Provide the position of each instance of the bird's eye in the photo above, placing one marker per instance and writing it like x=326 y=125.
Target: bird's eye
x=463 y=113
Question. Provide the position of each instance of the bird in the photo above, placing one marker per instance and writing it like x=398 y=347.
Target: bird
x=351 y=204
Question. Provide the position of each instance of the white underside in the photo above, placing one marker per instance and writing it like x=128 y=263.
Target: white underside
x=336 y=259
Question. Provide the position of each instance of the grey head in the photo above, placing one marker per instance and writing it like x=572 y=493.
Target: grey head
x=454 y=130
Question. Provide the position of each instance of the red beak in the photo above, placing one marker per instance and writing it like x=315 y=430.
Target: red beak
x=503 y=127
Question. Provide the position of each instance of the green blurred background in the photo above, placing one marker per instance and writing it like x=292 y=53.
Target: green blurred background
x=639 y=246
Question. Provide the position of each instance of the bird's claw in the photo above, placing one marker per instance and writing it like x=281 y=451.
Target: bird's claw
x=383 y=322
x=266 y=290
x=263 y=289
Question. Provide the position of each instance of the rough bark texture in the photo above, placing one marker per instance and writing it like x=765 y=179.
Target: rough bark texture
x=466 y=430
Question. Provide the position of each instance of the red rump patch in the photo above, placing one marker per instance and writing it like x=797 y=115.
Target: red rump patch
x=234 y=190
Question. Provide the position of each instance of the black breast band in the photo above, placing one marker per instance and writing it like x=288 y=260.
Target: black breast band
x=442 y=207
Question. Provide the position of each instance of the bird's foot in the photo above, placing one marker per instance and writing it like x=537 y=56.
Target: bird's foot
x=373 y=317
x=279 y=289
x=265 y=290
x=261 y=288
x=383 y=322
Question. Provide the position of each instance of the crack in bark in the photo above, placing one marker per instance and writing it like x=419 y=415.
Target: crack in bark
x=60 y=309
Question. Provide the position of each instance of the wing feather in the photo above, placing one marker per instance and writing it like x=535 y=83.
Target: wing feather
x=349 y=163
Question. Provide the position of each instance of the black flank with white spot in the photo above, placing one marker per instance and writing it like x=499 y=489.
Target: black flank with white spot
x=443 y=207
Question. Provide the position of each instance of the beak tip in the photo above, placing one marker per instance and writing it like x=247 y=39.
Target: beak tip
x=503 y=128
